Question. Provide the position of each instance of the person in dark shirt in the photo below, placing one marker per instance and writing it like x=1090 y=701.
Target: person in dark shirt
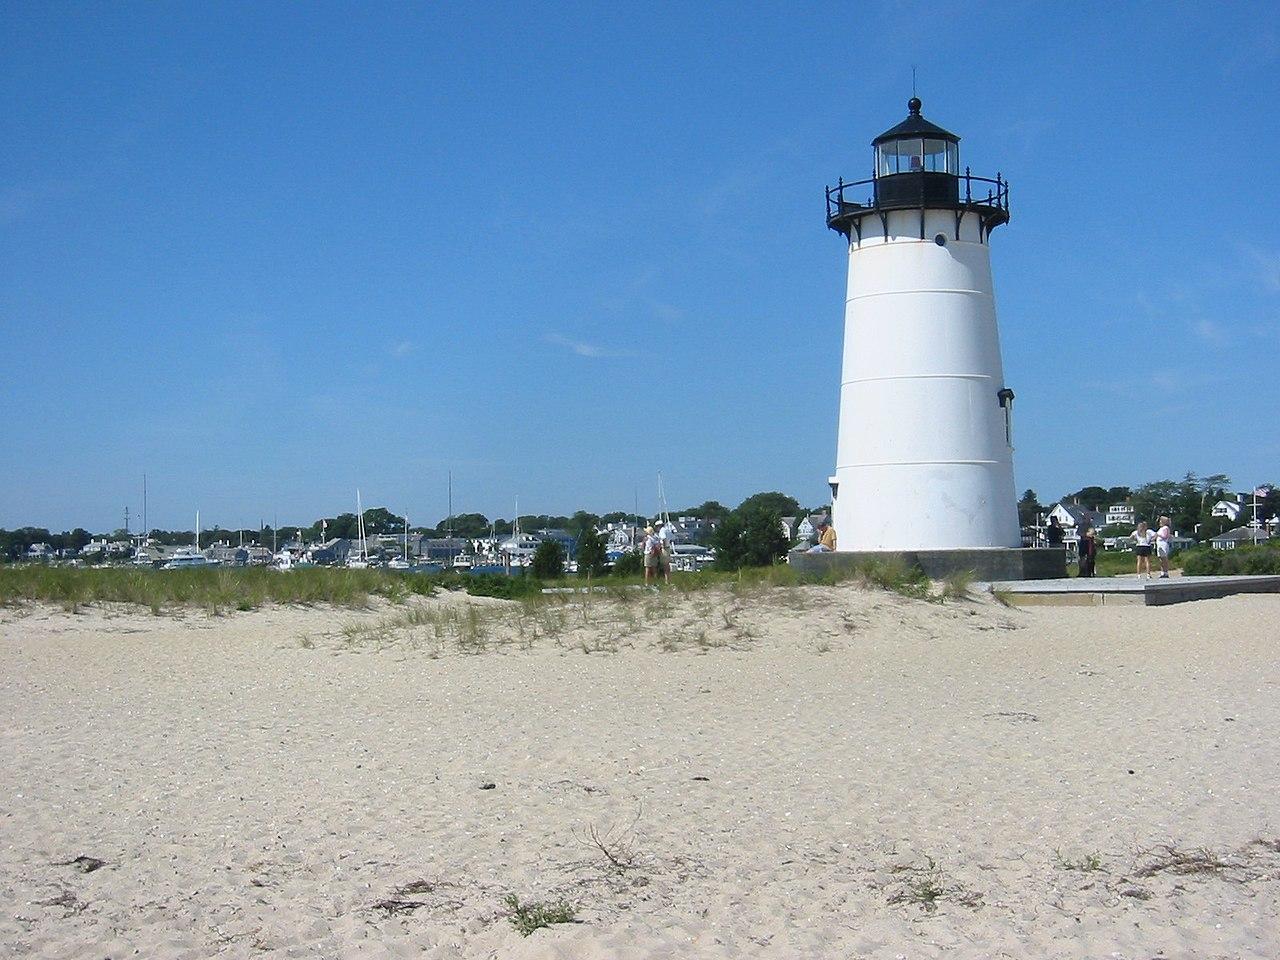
x=1054 y=532
x=1088 y=552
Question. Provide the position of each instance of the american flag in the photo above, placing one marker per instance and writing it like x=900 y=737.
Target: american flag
x=1262 y=492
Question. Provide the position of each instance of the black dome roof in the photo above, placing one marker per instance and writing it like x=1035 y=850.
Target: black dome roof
x=915 y=126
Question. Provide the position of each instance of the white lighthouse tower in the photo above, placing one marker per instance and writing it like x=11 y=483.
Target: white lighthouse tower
x=924 y=460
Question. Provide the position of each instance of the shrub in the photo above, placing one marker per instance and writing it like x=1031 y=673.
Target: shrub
x=630 y=564
x=548 y=560
x=591 y=553
x=1262 y=559
x=750 y=536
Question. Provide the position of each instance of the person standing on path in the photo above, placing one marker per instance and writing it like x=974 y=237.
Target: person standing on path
x=653 y=559
x=666 y=540
x=1088 y=552
x=1164 y=546
x=1143 y=539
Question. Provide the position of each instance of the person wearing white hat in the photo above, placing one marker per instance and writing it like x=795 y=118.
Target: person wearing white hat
x=652 y=554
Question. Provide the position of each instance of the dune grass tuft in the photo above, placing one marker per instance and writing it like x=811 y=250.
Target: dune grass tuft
x=529 y=917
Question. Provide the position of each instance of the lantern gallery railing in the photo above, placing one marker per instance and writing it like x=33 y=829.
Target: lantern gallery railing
x=892 y=193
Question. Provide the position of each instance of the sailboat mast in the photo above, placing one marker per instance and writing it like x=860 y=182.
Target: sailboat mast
x=197 y=531
x=364 y=549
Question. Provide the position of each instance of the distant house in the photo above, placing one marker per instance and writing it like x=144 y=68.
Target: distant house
x=1231 y=509
x=807 y=527
x=442 y=548
x=1240 y=535
x=620 y=536
x=789 y=528
x=258 y=556
x=697 y=529
x=40 y=551
x=1074 y=518
x=332 y=551
x=229 y=555
x=1121 y=513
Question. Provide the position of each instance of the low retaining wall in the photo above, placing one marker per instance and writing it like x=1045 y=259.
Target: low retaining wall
x=999 y=563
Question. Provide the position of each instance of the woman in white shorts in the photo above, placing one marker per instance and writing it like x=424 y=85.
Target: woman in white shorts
x=1164 y=545
x=1143 y=540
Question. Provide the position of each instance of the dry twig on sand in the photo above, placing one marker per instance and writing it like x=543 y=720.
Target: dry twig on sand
x=616 y=844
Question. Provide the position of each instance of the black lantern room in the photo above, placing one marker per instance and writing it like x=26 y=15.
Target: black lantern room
x=917 y=166
x=917 y=160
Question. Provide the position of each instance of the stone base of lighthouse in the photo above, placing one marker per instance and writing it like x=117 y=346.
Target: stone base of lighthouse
x=991 y=563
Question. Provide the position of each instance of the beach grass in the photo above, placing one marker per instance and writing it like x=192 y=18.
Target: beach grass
x=227 y=589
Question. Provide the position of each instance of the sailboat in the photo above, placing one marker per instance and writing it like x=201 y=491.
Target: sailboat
x=402 y=562
x=460 y=561
x=190 y=556
x=360 y=561
x=519 y=549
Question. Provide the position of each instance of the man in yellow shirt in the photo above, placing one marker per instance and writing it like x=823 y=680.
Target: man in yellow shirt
x=826 y=539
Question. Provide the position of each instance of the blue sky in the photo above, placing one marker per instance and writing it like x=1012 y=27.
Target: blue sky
x=268 y=253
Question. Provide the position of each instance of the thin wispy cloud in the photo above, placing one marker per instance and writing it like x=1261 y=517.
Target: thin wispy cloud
x=402 y=349
x=1211 y=331
x=582 y=348
x=668 y=312
x=1268 y=267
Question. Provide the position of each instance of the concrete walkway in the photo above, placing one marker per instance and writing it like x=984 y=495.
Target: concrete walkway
x=1099 y=591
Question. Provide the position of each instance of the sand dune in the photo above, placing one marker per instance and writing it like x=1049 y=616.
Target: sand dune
x=795 y=772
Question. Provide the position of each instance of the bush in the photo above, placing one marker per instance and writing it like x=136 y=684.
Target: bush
x=1205 y=561
x=630 y=564
x=548 y=560
x=750 y=536
x=591 y=553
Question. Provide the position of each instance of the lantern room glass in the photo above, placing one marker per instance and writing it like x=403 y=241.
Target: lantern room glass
x=917 y=156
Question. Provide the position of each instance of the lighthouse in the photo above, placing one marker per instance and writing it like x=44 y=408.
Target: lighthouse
x=924 y=456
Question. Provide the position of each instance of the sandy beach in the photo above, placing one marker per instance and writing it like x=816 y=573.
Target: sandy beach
x=790 y=772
